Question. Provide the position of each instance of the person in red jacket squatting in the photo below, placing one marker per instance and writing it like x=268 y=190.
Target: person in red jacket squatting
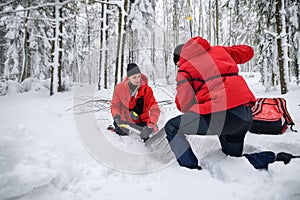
x=133 y=102
x=215 y=100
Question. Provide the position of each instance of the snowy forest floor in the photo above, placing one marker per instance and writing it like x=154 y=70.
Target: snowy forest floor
x=42 y=155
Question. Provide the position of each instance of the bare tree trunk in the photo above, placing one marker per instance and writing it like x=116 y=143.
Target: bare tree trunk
x=55 y=68
x=153 y=54
x=153 y=45
x=89 y=44
x=127 y=8
x=52 y=89
x=106 y=53
x=75 y=69
x=230 y=25
x=200 y=18
x=175 y=22
x=122 y=24
x=25 y=71
x=130 y=45
x=209 y=22
x=118 y=46
x=297 y=54
x=60 y=46
x=217 y=23
x=166 y=53
x=101 y=52
x=283 y=85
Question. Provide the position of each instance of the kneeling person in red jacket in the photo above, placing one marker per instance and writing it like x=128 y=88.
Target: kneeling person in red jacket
x=213 y=97
x=133 y=102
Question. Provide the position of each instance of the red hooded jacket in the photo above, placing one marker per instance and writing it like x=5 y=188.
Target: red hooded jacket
x=122 y=103
x=208 y=80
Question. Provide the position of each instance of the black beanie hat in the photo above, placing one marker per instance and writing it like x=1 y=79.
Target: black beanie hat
x=132 y=69
x=176 y=54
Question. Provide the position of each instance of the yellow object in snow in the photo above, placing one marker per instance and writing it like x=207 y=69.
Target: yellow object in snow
x=188 y=18
x=123 y=126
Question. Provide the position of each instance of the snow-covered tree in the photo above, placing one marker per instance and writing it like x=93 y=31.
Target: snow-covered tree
x=13 y=36
x=90 y=41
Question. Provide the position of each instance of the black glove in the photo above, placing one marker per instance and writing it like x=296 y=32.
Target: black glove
x=145 y=133
x=117 y=119
x=261 y=160
x=285 y=157
x=118 y=130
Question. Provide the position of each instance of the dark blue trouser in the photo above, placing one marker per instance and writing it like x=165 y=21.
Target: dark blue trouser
x=231 y=127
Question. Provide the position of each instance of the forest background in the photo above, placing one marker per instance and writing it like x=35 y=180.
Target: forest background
x=91 y=41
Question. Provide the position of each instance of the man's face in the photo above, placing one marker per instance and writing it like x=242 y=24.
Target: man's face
x=135 y=79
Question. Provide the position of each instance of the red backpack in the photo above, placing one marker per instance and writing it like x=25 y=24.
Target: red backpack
x=270 y=116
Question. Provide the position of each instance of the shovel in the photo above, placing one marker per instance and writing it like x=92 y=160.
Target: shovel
x=157 y=144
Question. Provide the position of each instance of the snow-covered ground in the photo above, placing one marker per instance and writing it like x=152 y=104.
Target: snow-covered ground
x=44 y=154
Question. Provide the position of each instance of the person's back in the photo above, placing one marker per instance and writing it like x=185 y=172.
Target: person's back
x=214 y=99
x=212 y=76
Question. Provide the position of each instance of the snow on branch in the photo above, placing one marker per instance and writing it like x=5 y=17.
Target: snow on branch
x=35 y=7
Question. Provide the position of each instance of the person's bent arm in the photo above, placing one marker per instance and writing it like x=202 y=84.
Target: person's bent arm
x=115 y=103
x=240 y=53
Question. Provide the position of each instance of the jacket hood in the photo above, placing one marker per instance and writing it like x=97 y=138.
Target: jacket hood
x=193 y=48
x=144 y=79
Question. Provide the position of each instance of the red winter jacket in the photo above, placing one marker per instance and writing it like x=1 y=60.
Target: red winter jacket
x=208 y=80
x=122 y=103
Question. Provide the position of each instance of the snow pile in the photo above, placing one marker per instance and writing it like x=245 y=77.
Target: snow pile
x=21 y=170
x=42 y=156
x=29 y=84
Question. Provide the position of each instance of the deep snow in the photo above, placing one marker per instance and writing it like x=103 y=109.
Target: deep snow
x=42 y=155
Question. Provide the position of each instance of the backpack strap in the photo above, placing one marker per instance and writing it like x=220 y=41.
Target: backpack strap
x=279 y=106
x=258 y=106
x=191 y=80
x=282 y=108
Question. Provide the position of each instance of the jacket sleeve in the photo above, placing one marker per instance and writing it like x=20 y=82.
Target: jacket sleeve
x=115 y=102
x=240 y=53
x=154 y=109
x=185 y=95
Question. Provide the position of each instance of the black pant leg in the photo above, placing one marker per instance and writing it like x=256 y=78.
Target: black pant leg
x=233 y=135
x=176 y=129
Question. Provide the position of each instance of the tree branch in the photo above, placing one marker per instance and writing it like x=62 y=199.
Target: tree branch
x=34 y=7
